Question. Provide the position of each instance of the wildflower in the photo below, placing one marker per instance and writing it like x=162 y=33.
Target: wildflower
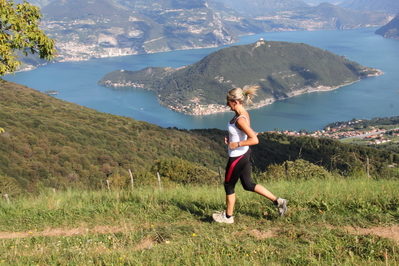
x=194 y=234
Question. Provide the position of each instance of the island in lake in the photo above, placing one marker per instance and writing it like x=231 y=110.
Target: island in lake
x=281 y=69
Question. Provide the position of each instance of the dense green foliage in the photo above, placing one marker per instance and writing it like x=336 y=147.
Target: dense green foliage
x=346 y=159
x=295 y=170
x=19 y=31
x=182 y=172
x=280 y=68
x=48 y=142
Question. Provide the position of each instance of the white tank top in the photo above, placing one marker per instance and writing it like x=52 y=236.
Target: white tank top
x=236 y=135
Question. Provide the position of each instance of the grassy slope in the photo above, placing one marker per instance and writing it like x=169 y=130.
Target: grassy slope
x=173 y=226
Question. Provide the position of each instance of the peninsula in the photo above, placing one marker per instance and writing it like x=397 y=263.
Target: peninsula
x=282 y=70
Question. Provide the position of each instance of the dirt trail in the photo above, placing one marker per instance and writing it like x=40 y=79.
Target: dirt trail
x=391 y=232
x=62 y=232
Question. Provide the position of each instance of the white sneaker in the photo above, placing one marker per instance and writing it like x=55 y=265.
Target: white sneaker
x=281 y=205
x=220 y=217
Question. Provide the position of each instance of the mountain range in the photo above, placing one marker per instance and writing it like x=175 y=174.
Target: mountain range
x=281 y=69
x=386 y=6
x=102 y=28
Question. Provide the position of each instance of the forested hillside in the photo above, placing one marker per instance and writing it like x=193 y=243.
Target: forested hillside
x=346 y=159
x=48 y=142
x=54 y=143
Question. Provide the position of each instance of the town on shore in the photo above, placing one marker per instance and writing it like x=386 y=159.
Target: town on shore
x=345 y=130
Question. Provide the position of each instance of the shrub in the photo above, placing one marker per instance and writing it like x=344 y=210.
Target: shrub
x=295 y=170
x=184 y=172
x=10 y=186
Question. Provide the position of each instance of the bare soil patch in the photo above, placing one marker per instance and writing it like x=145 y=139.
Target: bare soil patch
x=391 y=232
x=62 y=232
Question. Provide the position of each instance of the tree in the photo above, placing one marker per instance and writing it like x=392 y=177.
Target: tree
x=19 y=31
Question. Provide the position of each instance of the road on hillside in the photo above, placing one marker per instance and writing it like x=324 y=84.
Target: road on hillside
x=371 y=133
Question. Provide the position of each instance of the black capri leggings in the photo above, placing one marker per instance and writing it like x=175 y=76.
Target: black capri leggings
x=239 y=168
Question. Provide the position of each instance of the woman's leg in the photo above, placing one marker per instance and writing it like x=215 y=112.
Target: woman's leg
x=261 y=190
x=230 y=202
x=247 y=183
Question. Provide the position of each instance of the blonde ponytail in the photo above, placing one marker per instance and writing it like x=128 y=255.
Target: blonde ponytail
x=238 y=94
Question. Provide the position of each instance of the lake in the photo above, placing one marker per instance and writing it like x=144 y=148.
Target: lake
x=372 y=97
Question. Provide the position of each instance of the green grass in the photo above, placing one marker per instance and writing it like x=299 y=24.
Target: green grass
x=173 y=226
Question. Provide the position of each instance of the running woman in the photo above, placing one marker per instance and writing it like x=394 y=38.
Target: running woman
x=240 y=137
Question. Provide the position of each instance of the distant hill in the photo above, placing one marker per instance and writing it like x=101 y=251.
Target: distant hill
x=282 y=70
x=324 y=16
x=317 y=2
x=387 y=6
x=391 y=30
x=261 y=7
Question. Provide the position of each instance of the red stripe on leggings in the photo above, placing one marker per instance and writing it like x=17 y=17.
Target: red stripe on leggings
x=231 y=168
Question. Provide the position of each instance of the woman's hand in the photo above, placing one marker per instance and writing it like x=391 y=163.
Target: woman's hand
x=226 y=140
x=233 y=145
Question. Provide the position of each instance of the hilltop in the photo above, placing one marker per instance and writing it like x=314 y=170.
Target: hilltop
x=281 y=69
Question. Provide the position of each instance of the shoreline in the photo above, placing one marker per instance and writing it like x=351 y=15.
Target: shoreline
x=202 y=110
